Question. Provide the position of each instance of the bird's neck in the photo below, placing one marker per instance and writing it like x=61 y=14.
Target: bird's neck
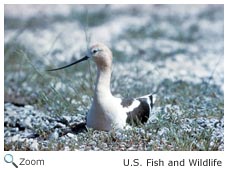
x=102 y=89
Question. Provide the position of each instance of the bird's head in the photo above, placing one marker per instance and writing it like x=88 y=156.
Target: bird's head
x=99 y=53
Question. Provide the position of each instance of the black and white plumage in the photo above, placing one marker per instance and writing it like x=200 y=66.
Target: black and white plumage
x=108 y=111
x=139 y=109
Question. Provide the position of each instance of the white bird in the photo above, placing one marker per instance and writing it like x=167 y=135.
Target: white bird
x=107 y=111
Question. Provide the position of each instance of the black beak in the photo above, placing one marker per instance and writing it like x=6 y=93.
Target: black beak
x=78 y=61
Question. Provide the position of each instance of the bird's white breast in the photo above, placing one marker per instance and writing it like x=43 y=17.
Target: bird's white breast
x=106 y=114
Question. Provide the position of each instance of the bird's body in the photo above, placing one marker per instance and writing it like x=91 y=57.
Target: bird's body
x=108 y=111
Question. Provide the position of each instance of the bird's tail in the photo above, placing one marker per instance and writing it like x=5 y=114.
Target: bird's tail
x=151 y=98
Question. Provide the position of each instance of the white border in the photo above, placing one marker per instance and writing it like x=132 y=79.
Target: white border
x=102 y=160
x=114 y=2
x=225 y=73
x=2 y=76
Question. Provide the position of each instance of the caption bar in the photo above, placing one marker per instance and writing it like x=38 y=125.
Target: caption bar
x=172 y=163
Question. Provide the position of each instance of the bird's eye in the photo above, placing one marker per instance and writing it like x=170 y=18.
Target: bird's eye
x=95 y=51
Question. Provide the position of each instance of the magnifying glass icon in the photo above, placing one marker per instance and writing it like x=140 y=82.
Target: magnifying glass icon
x=9 y=159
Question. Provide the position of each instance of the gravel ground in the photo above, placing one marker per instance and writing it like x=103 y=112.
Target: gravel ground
x=30 y=129
x=179 y=47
